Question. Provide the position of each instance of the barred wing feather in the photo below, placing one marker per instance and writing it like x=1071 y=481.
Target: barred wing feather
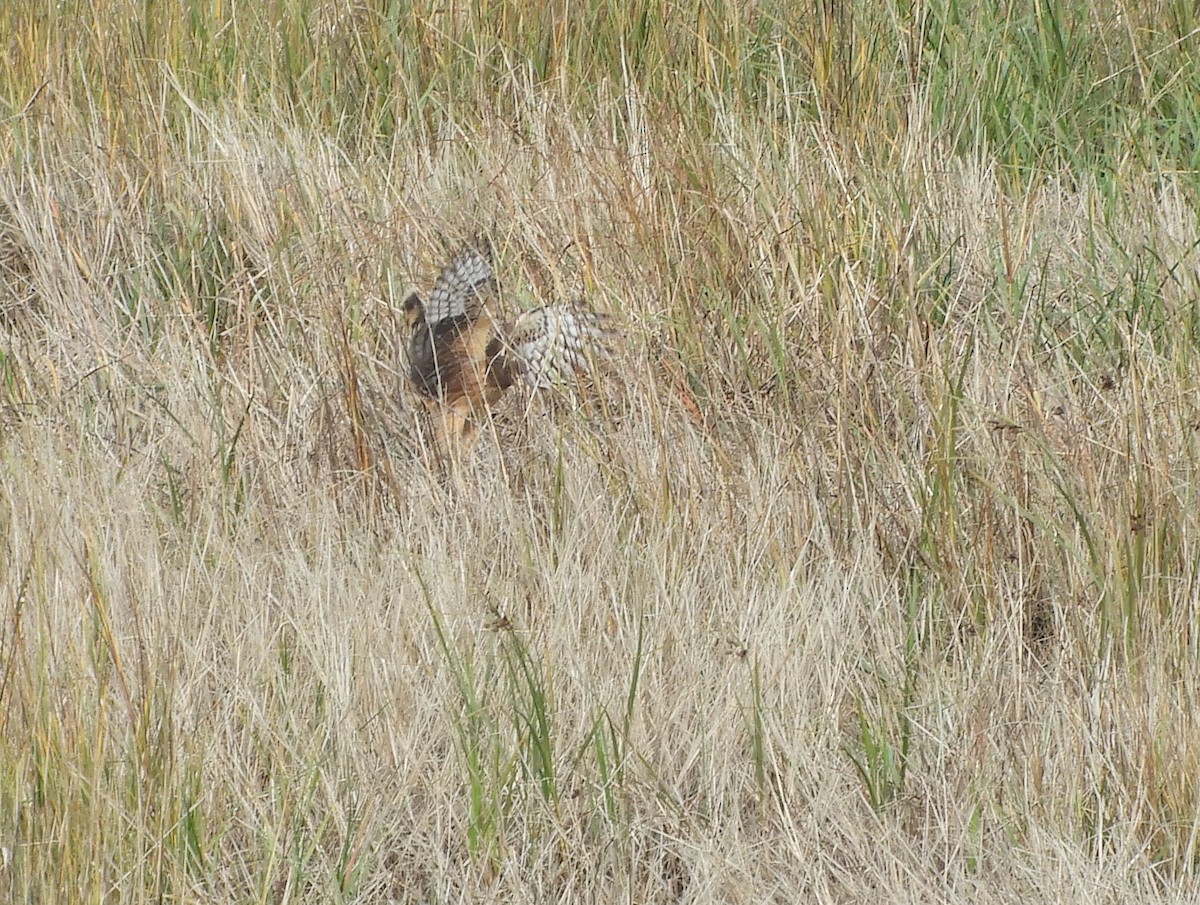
x=556 y=341
x=462 y=288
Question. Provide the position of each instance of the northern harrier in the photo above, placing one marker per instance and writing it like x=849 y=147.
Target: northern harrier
x=462 y=359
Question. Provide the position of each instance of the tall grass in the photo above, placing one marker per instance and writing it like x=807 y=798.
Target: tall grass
x=866 y=571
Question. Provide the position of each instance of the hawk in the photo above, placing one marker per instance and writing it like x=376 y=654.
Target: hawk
x=462 y=359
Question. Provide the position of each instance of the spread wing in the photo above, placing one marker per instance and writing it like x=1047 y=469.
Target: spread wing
x=552 y=343
x=463 y=287
x=452 y=329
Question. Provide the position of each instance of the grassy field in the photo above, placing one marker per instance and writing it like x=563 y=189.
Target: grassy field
x=868 y=572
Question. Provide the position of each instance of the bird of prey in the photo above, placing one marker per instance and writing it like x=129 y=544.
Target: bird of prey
x=462 y=358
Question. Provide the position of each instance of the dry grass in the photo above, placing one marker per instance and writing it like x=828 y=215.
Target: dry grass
x=869 y=573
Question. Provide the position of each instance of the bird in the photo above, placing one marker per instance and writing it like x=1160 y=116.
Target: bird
x=462 y=359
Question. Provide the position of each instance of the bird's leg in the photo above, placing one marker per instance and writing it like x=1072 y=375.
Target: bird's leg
x=456 y=427
x=448 y=426
x=469 y=436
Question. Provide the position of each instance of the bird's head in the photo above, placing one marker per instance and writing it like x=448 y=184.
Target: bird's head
x=414 y=309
